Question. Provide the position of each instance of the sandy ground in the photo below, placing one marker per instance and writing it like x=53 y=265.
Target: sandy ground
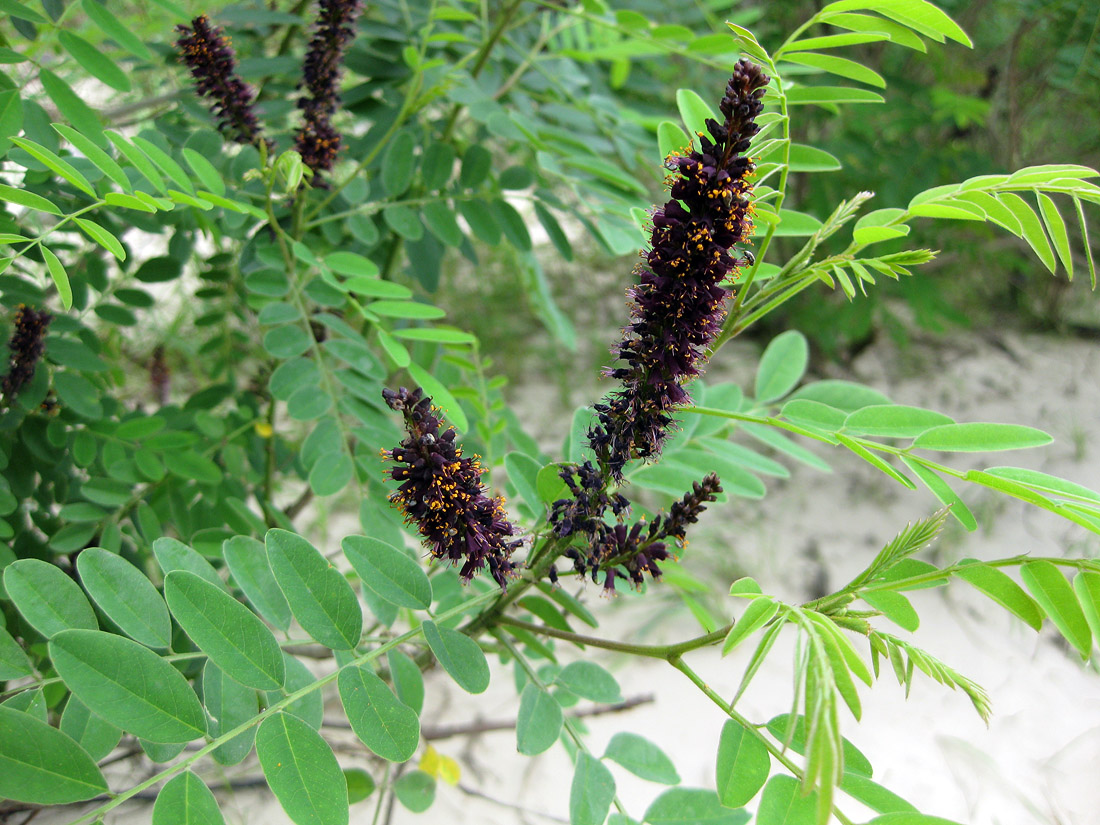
x=1035 y=763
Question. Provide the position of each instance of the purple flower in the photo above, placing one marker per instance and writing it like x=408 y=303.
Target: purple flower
x=679 y=303
x=318 y=142
x=441 y=492
x=210 y=57
x=618 y=549
x=25 y=348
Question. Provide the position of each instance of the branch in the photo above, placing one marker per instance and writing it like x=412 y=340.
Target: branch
x=652 y=651
x=432 y=734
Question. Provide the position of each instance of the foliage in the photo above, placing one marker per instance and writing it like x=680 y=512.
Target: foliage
x=202 y=330
x=1017 y=99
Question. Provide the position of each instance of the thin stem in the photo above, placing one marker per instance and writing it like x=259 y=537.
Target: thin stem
x=529 y=58
x=911 y=582
x=567 y=722
x=289 y=262
x=651 y=651
x=382 y=787
x=752 y=729
x=545 y=556
x=64 y=220
x=482 y=58
x=269 y=465
x=286 y=701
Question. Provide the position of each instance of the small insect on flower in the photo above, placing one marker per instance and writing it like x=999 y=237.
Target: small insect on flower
x=442 y=494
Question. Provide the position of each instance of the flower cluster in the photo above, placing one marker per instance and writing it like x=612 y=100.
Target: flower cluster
x=583 y=514
x=679 y=303
x=25 y=348
x=616 y=549
x=210 y=57
x=318 y=142
x=441 y=492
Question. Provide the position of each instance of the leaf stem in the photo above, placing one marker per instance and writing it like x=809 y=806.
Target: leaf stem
x=567 y=722
x=650 y=651
x=286 y=701
x=752 y=729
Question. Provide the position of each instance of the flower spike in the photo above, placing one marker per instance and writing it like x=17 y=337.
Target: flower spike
x=679 y=304
x=25 y=347
x=442 y=494
x=210 y=57
x=318 y=142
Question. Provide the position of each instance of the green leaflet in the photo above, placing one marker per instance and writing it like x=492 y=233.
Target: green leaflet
x=742 y=765
x=302 y=771
x=247 y=562
x=688 y=806
x=41 y=765
x=318 y=594
x=381 y=721
x=539 y=722
x=185 y=800
x=49 y=600
x=229 y=704
x=590 y=681
x=225 y=630
x=783 y=803
x=98 y=738
x=387 y=571
x=128 y=685
x=1003 y=590
x=460 y=656
x=642 y=758
x=1057 y=598
x=126 y=595
x=980 y=438
x=591 y=792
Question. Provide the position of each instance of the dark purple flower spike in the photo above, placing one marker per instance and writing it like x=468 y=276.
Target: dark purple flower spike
x=25 y=349
x=442 y=494
x=679 y=304
x=212 y=62
x=618 y=549
x=318 y=142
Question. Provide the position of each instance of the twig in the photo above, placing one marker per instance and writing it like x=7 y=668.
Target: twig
x=145 y=103
x=435 y=733
x=652 y=651
x=481 y=795
x=291 y=511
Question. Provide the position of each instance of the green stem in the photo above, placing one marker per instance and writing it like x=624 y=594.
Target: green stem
x=567 y=723
x=328 y=385
x=752 y=729
x=650 y=651
x=780 y=299
x=482 y=58
x=269 y=466
x=286 y=701
x=381 y=793
x=911 y=582
x=64 y=220
x=541 y=559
